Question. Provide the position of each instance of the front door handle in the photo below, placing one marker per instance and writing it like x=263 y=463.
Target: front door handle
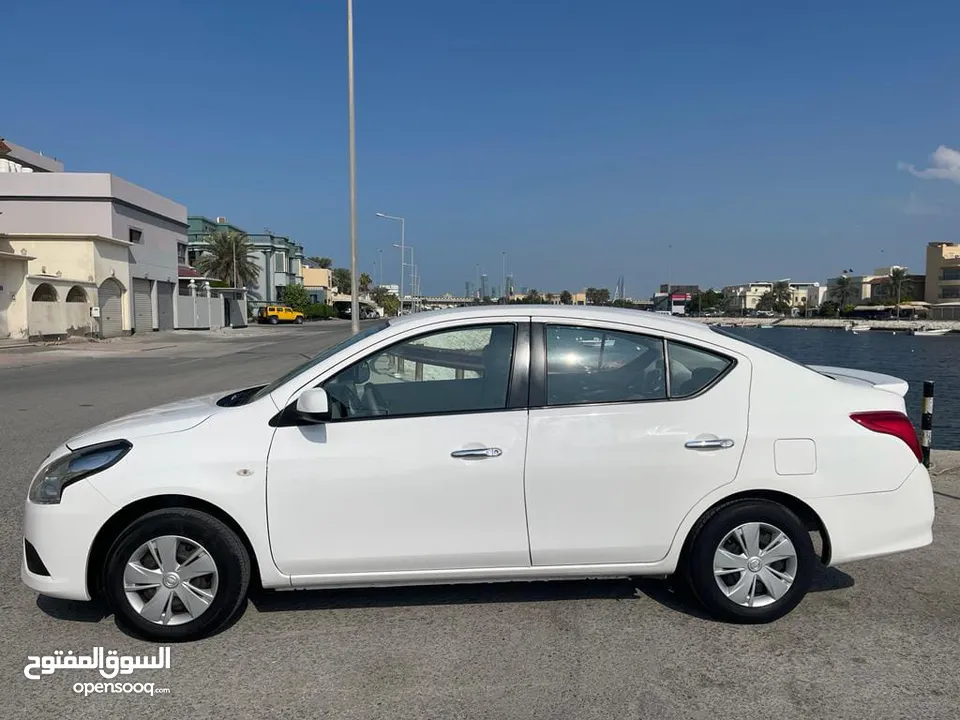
x=709 y=444
x=477 y=453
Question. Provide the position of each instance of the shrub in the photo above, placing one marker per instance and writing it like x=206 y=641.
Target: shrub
x=319 y=311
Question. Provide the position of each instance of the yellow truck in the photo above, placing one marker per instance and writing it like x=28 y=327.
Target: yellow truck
x=275 y=314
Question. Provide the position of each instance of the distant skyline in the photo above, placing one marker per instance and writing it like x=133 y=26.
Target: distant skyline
x=759 y=141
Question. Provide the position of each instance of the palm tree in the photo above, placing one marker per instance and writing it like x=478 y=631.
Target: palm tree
x=228 y=258
x=900 y=283
x=321 y=262
x=843 y=289
x=782 y=295
x=365 y=282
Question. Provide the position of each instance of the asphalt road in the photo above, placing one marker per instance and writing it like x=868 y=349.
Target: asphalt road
x=879 y=639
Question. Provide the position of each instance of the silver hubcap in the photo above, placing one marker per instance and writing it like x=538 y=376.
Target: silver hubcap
x=755 y=564
x=170 y=580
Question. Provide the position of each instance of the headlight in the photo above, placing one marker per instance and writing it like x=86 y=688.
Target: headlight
x=48 y=485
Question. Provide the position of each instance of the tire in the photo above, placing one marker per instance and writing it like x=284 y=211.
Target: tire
x=192 y=529
x=717 y=530
x=299 y=321
x=274 y=320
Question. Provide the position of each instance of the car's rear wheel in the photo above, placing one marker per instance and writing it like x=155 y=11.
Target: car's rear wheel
x=274 y=320
x=177 y=575
x=750 y=561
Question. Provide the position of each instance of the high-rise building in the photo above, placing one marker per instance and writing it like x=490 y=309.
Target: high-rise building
x=471 y=290
x=484 y=290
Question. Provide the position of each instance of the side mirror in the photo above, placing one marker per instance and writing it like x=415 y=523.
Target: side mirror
x=314 y=405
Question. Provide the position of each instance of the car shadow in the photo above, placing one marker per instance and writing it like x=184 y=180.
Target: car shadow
x=667 y=592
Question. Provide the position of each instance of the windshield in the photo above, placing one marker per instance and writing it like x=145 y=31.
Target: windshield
x=317 y=359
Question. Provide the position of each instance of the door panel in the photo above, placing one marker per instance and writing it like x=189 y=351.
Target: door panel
x=111 y=312
x=165 y=306
x=382 y=485
x=142 y=305
x=610 y=482
x=384 y=494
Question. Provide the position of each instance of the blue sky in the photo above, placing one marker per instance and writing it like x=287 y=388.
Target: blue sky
x=703 y=142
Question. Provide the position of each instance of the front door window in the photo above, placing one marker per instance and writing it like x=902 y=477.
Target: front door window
x=451 y=371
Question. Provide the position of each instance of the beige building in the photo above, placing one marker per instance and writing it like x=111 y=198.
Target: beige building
x=740 y=298
x=942 y=273
x=318 y=282
x=64 y=277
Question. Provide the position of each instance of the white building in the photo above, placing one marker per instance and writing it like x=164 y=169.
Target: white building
x=79 y=241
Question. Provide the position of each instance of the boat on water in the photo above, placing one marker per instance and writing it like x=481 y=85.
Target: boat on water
x=857 y=328
x=933 y=332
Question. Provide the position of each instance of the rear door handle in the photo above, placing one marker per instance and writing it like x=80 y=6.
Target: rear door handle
x=477 y=453
x=709 y=444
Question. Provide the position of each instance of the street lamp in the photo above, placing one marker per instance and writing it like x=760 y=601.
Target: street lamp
x=401 y=246
x=403 y=265
x=354 y=277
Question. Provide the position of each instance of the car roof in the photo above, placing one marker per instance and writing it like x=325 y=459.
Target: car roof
x=587 y=313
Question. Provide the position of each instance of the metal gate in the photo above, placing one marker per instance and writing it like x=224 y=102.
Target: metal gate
x=142 y=306
x=111 y=308
x=165 y=305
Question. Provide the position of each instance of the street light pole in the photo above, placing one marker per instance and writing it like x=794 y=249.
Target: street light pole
x=354 y=276
x=402 y=256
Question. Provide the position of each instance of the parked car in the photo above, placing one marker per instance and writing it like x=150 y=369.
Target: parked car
x=487 y=443
x=275 y=314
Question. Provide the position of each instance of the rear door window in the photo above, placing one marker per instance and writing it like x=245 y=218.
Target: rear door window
x=590 y=365
x=692 y=369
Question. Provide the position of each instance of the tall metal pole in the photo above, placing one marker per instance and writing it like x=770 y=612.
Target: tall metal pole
x=403 y=258
x=354 y=276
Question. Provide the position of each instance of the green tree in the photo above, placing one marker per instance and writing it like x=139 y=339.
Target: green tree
x=321 y=262
x=388 y=301
x=365 y=282
x=767 y=302
x=566 y=298
x=341 y=280
x=297 y=297
x=534 y=297
x=597 y=296
x=828 y=308
x=228 y=256
x=705 y=301
x=843 y=290
x=782 y=296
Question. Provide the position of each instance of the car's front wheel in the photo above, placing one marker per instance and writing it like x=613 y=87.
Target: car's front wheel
x=750 y=561
x=177 y=574
x=299 y=321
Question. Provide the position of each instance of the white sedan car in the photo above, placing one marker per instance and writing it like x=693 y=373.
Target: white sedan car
x=487 y=444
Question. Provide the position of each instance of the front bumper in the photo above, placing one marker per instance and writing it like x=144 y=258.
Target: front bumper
x=62 y=536
x=870 y=525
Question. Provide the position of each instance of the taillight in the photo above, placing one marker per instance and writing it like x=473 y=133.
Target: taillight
x=891 y=422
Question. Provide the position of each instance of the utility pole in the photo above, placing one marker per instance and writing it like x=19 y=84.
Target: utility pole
x=354 y=276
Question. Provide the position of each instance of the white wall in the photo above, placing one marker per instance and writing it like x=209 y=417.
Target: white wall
x=13 y=299
x=59 y=317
